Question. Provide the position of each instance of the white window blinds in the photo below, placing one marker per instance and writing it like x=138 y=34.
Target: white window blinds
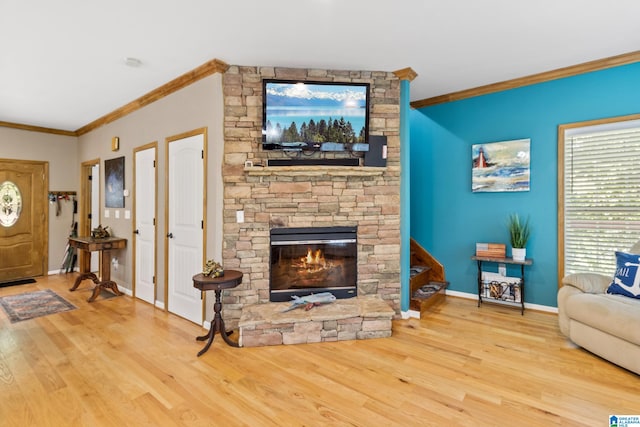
x=601 y=196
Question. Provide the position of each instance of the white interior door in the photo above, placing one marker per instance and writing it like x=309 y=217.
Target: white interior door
x=95 y=210
x=145 y=226
x=185 y=225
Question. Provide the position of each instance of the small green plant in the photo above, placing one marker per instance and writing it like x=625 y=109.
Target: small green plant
x=519 y=232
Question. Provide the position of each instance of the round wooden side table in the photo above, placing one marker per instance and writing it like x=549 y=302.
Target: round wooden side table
x=231 y=279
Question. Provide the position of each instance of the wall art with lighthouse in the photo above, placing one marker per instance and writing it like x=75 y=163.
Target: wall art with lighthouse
x=500 y=166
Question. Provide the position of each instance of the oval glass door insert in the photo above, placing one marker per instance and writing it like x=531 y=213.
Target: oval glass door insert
x=10 y=203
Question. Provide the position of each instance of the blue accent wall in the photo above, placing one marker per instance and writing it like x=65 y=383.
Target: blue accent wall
x=448 y=218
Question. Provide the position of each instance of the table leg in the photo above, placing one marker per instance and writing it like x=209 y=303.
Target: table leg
x=84 y=274
x=105 y=281
x=205 y=336
x=217 y=325
x=104 y=285
x=480 y=285
x=105 y=265
x=522 y=290
x=225 y=335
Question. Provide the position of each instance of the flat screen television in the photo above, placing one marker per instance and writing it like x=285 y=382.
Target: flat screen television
x=314 y=116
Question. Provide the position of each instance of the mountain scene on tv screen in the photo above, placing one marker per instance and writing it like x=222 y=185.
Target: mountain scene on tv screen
x=304 y=116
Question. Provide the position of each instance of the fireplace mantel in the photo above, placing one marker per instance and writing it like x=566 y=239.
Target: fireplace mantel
x=317 y=170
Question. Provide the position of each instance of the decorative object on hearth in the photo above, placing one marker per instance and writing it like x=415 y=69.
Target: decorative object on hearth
x=310 y=301
x=213 y=269
x=100 y=232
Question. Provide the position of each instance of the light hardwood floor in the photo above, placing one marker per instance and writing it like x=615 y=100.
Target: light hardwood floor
x=122 y=362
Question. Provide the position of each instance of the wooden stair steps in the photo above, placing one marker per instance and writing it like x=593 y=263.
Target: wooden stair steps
x=426 y=274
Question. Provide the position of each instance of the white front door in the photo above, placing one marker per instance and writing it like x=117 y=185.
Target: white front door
x=185 y=225
x=145 y=224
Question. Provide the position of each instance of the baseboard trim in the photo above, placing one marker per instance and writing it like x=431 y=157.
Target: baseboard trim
x=53 y=272
x=124 y=290
x=410 y=314
x=537 y=307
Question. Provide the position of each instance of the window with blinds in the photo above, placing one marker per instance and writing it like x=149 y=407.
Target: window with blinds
x=601 y=195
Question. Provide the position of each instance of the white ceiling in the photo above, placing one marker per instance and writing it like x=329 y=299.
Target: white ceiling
x=62 y=62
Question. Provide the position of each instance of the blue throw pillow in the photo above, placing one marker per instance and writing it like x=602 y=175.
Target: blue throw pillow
x=626 y=281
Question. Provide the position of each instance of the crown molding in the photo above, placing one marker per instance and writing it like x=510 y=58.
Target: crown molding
x=406 y=74
x=218 y=66
x=31 y=128
x=204 y=70
x=586 y=67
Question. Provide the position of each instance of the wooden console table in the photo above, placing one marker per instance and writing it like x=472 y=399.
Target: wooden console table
x=104 y=246
x=520 y=286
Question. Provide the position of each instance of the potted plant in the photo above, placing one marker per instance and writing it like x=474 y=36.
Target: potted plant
x=519 y=233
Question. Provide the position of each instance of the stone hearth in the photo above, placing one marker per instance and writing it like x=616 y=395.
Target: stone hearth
x=345 y=319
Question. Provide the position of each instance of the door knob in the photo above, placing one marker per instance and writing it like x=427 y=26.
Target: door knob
x=136 y=231
x=170 y=235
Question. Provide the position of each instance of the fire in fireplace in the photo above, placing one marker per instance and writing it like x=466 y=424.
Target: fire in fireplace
x=312 y=260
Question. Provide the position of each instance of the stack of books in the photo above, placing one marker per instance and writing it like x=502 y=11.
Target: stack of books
x=491 y=250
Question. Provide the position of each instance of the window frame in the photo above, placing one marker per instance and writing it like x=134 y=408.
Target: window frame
x=562 y=131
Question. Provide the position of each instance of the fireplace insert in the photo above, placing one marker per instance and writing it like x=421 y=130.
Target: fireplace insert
x=312 y=260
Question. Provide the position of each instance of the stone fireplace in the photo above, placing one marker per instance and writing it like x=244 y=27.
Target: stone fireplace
x=366 y=199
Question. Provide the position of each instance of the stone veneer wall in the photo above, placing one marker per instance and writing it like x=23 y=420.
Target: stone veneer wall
x=316 y=199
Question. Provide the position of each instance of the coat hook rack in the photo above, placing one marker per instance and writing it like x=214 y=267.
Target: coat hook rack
x=63 y=193
x=57 y=195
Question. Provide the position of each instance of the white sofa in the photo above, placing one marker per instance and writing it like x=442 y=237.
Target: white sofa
x=604 y=324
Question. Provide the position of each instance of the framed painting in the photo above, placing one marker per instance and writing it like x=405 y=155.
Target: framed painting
x=114 y=183
x=500 y=166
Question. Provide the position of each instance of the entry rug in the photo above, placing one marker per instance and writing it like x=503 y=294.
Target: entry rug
x=34 y=304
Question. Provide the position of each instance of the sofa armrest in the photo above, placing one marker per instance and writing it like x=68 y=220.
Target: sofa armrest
x=592 y=283
x=564 y=294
